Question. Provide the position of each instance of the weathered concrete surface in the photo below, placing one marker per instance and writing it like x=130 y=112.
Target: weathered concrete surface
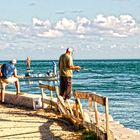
x=26 y=124
x=117 y=130
x=26 y=100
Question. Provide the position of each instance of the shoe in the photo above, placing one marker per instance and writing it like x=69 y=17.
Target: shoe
x=19 y=94
x=3 y=102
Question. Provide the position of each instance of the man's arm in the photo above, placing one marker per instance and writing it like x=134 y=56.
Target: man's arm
x=74 y=67
x=17 y=76
x=71 y=66
x=59 y=64
x=0 y=70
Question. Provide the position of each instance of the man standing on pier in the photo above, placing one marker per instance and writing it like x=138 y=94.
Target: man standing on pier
x=65 y=68
x=28 y=61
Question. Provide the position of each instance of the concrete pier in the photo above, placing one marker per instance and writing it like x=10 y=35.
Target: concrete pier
x=20 y=123
x=27 y=100
x=117 y=130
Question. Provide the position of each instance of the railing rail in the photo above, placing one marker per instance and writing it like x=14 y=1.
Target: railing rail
x=93 y=97
x=75 y=111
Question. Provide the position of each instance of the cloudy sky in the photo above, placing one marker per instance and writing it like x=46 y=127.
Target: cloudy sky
x=95 y=29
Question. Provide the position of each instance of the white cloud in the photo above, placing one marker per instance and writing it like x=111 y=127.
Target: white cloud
x=83 y=25
x=38 y=22
x=119 y=35
x=81 y=36
x=121 y=26
x=127 y=20
x=91 y=32
x=51 y=34
x=8 y=26
x=113 y=46
x=83 y=21
x=66 y=24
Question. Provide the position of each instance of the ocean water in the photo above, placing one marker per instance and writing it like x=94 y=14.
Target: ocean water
x=119 y=80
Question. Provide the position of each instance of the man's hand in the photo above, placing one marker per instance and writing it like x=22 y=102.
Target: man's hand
x=20 y=77
x=77 y=68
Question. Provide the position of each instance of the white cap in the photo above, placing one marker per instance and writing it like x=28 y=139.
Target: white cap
x=14 y=61
x=69 y=49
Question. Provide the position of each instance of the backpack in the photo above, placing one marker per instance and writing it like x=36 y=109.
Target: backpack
x=7 y=70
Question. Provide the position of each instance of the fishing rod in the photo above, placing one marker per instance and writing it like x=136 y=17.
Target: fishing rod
x=84 y=69
x=87 y=70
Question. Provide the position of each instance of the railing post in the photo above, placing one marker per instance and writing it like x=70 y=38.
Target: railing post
x=68 y=103
x=42 y=94
x=107 y=118
x=98 y=99
x=80 y=107
x=96 y=112
x=90 y=102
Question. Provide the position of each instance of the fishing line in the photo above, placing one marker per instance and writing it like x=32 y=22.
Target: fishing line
x=89 y=70
x=85 y=69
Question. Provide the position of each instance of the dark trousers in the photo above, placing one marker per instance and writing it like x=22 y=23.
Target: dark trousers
x=65 y=87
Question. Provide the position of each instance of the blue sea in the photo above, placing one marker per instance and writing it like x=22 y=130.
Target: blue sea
x=119 y=80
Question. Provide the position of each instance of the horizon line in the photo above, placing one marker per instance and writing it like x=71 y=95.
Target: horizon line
x=76 y=59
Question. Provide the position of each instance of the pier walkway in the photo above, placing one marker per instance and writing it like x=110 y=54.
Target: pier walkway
x=24 y=124
x=18 y=123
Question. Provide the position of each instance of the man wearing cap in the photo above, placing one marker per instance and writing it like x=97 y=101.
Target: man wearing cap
x=65 y=68
x=9 y=75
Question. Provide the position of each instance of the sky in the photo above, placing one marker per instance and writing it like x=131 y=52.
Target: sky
x=95 y=29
